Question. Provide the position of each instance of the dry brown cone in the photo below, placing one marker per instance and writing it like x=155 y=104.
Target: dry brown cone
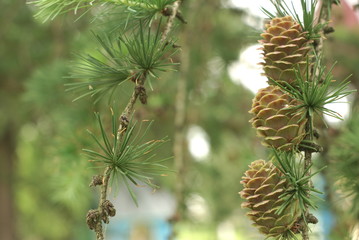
x=281 y=127
x=285 y=48
x=263 y=184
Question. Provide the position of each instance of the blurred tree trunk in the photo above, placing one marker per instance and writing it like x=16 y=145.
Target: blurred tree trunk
x=7 y=169
x=194 y=58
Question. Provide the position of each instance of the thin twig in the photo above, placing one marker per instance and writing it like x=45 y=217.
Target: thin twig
x=99 y=231
x=170 y=20
x=307 y=163
x=126 y=114
x=104 y=187
x=124 y=120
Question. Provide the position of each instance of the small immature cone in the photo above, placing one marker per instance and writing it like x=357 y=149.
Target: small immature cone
x=281 y=127
x=263 y=184
x=285 y=46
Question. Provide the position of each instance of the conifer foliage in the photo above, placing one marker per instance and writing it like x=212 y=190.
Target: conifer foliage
x=135 y=49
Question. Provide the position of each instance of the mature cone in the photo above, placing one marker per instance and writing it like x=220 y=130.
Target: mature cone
x=285 y=46
x=282 y=127
x=263 y=184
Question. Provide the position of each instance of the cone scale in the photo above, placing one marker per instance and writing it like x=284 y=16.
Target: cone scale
x=275 y=121
x=263 y=184
x=285 y=48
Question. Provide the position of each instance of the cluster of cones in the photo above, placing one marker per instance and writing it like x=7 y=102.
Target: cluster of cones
x=278 y=123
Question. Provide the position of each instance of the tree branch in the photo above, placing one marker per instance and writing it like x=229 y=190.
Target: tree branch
x=138 y=91
x=105 y=208
x=102 y=213
x=104 y=187
x=170 y=20
x=307 y=163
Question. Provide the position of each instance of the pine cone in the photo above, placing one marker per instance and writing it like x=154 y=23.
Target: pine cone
x=263 y=184
x=281 y=127
x=285 y=46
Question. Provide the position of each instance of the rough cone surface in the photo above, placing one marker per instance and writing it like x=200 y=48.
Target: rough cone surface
x=263 y=184
x=285 y=47
x=275 y=121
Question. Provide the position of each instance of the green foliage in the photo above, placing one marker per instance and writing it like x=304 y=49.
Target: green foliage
x=314 y=91
x=103 y=75
x=306 y=21
x=124 y=17
x=129 y=158
x=121 y=59
x=345 y=162
x=50 y=9
x=53 y=187
x=291 y=165
x=146 y=51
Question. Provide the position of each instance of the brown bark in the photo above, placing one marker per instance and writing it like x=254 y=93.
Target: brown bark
x=7 y=170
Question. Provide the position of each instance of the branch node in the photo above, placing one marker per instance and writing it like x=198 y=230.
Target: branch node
x=312 y=219
x=168 y=11
x=92 y=218
x=300 y=225
x=108 y=208
x=124 y=122
x=96 y=181
x=141 y=92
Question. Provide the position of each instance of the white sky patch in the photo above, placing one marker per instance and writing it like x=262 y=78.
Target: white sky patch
x=247 y=71
x=254 y=7
x=342 y=107
x=198 y=143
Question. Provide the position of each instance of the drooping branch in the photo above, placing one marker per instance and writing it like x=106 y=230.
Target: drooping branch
x=95 y=217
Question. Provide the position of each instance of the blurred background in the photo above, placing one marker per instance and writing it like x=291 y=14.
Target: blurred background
x=44 y=178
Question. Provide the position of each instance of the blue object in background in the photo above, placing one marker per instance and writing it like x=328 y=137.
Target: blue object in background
x=162 y=229
x=148 y=221
x=159 y=229
x=325 y=217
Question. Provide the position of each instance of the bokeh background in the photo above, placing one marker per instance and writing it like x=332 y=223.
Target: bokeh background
x=44 y=178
